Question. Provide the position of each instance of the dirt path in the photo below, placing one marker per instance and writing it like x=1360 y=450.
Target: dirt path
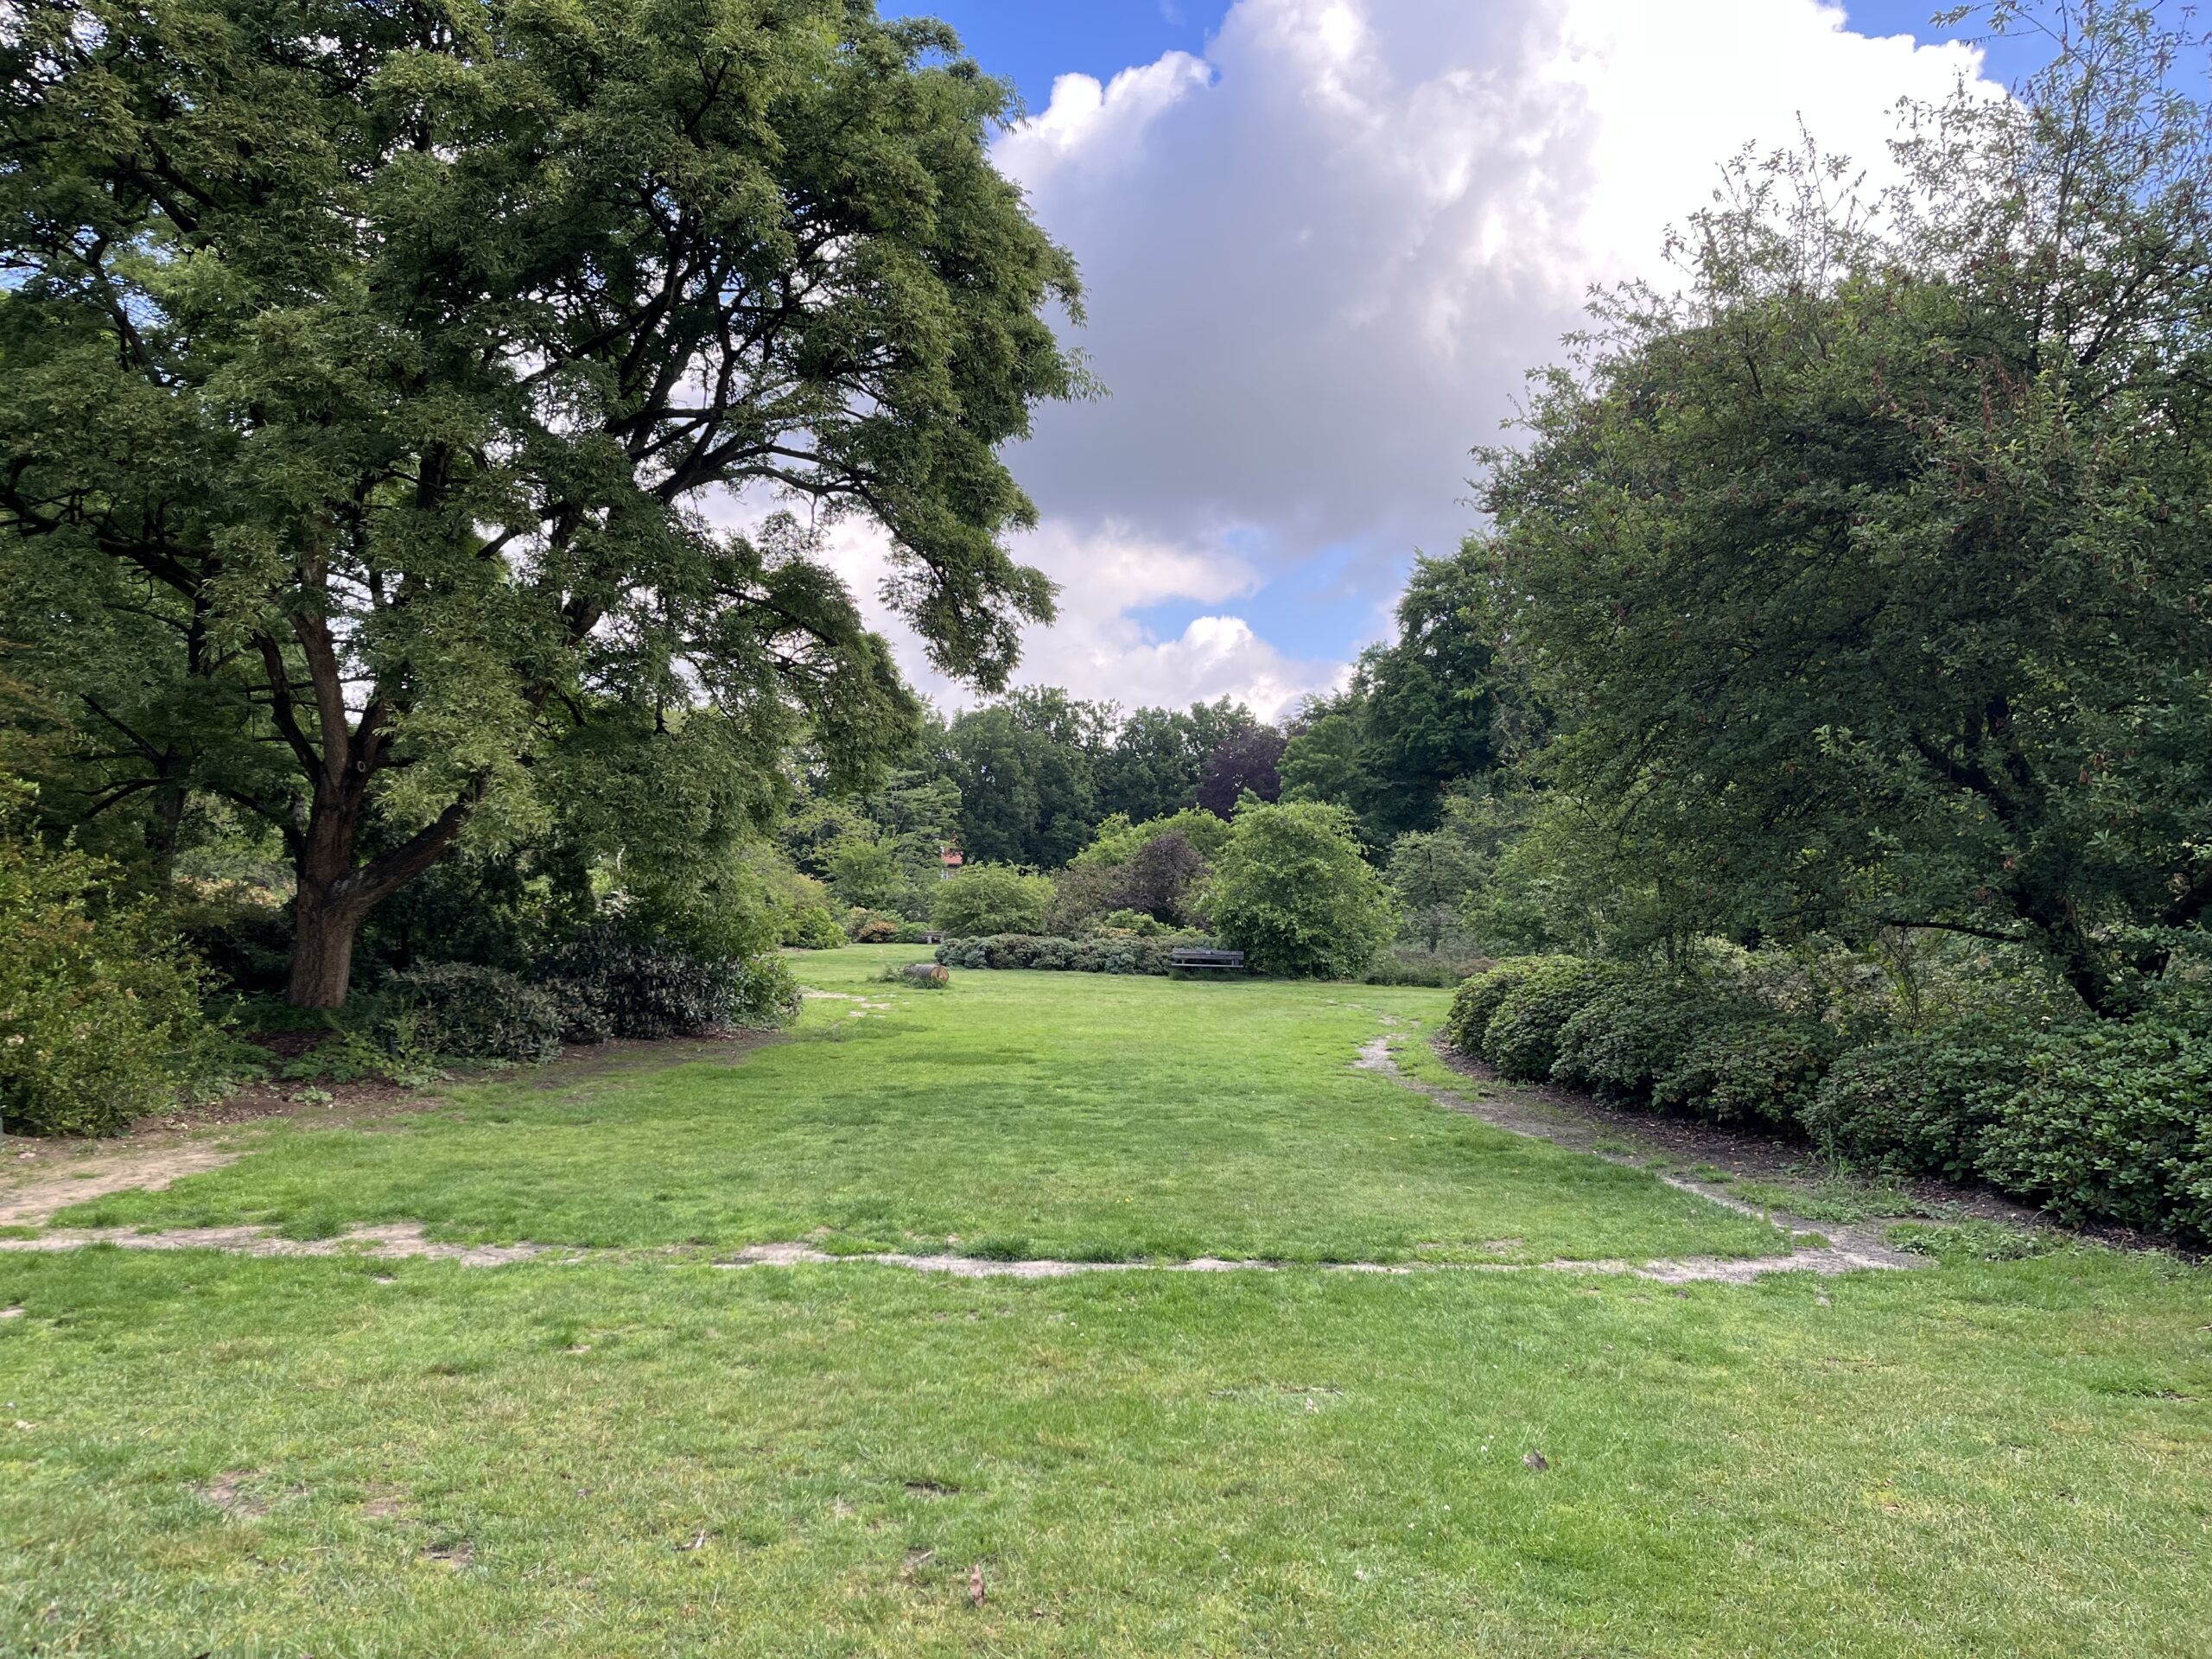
x=1846 y=1247
x=39 y=1193
x=405 y=1240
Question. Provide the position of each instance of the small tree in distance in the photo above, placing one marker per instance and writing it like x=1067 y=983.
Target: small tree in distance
x=987 y=899
x=1293 y=893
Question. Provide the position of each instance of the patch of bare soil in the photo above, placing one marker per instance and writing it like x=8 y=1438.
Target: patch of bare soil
x=393 y=1242
x=36 y=1195
x=227 y=1493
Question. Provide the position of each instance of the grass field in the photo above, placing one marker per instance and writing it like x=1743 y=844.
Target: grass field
x=643 y=1454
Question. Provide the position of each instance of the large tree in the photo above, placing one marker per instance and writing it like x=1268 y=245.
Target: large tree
x=386 y=363
x=1871 y=573
x=1421 y=713
x=1026 y=771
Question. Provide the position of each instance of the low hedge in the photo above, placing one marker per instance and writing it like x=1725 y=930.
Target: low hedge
x=608 y=985
x=1521 y=1038
x=2097 y=1121
x=469 y=1012
x=1049 y=954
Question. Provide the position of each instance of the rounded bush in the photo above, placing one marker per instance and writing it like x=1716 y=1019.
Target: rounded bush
x=100 y=1005
x=2113 y=1122
x=988 y=898
x=1634 y=1032
x=1477 y=998
x=1763 y=1070
x=629 y=987
x=1917 y=1105
x=475 y=1013
x=1522 y=1040
x=813 y=927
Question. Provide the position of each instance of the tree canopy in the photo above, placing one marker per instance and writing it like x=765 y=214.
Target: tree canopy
x=372 y=373
x=1869 y=575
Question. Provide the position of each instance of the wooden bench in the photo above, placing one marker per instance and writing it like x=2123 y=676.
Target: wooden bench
x=1185 y=956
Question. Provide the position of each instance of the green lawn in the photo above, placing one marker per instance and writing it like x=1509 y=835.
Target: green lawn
x=205 y=1453
x=1036 y=1114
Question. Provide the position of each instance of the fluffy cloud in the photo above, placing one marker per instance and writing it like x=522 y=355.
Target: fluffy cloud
x=1320 y=262
x=1098 y=649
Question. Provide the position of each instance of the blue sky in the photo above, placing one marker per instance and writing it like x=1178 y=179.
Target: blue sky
x=1323 y=241
x=1032 y=41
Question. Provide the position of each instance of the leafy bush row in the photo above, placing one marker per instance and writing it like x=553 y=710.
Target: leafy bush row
x=598 y=986
x=1104 y=955
x=2097 y=1120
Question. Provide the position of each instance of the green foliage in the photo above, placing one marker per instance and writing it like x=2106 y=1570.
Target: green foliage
x=1434 y=875
x=2101 y=1121
x=1292 y=892
x=1761 y=1070
x=815 y=928
x=1917 y=1103
x=397 y=353
x=609 y=983
x=1421 y=713
x=1636 y=1031
x=1522 y=1037
x=764 y=995
x=985 y=899
x=1867 y=572
x=1024 y=770
x=1711 y=1045
x=1118 y=840
x=1051 y=955
x=2112 y=1123
x=863 y=927
x=99 y=1006
x=1479 y=998
x=1157 y=757
x=471 y=1012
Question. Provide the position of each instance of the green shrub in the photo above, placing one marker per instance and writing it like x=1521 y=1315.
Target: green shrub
x=1763 y=1070
x=476 y=1013
x=813 y=927
x=1048 y=954
x=100 y=1005
x=764 y=995
x=912 y=933
x=1478 y=999
x=871 y=927
x=990 y=899
x=1633 y=1032
x=1522 y=1040
x=1917 y=1104
x=627 y=987
x=1292 y=892
x=2113 y=1122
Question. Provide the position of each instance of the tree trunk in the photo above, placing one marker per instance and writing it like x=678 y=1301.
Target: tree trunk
x=323 y=949
x=334 y=895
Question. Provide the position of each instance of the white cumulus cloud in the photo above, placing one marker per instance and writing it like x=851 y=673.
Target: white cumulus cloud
x=1318 y=263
